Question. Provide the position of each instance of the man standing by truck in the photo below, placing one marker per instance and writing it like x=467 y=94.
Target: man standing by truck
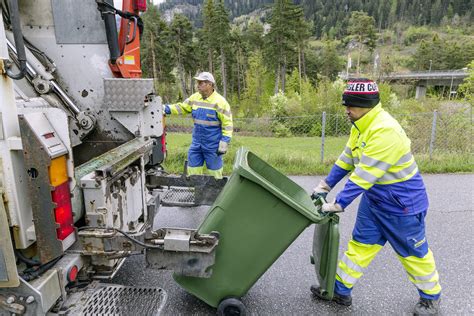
x=394 y=200
x=213 y=126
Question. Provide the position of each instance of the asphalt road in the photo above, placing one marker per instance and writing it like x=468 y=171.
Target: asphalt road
x=384 y=289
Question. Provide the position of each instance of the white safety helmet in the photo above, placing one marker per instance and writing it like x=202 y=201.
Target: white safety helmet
x=205 y=76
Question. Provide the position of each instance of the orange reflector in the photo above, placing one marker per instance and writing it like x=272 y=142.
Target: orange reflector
x=58 y=171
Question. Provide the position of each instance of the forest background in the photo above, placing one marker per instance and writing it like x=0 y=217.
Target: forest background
x=285 y=58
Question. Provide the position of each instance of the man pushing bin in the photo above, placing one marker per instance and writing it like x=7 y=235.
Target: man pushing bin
x=394 y=201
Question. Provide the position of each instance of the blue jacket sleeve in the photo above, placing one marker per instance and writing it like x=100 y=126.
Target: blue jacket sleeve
x=335 y=175
x=348 y=194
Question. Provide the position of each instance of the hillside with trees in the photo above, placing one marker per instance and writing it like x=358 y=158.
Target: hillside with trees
x=298 y=48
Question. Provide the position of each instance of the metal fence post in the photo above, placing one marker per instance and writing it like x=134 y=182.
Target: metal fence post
x=433 y=132
x=323 y=134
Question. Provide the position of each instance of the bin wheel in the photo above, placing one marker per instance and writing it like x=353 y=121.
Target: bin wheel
x=231 y=306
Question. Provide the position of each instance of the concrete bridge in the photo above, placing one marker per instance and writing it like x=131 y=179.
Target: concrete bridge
x=422 y=79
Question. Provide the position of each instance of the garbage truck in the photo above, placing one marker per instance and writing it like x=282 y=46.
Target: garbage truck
x=82 y=142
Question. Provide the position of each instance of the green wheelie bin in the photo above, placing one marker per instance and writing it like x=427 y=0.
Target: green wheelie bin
x=325 y=253
x=258 y=214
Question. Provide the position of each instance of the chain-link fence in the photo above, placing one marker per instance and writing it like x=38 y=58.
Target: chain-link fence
x=430 y=133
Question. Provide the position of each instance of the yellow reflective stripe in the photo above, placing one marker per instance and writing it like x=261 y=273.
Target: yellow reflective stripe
x=351 y=265
x=204 y=104
x=228 y=128
x=372 y=162
x=405 y=158
x=207 y=123
x=346 y=159
x=422 y=272
x=344 y=165
x=214 y=106
x=360 y=253
x=217 y=174
x=426 y=286
x=195 y=170
x=364 y=175
x=225 y=112
x=419 y=266
x=348 y=151
x=346 y=278
x=358 y=256
x=177 y=109
x=423 y=277
x=389 y=176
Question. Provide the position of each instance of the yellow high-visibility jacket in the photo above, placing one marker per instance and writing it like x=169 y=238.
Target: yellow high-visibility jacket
x=381 y=165
x=212 y=119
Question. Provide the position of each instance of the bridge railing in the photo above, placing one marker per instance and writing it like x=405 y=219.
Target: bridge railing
x=413 y=75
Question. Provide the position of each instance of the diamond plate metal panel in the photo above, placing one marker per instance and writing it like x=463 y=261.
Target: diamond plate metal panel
x=126 y=94
x=125 y=300
x=179 y=196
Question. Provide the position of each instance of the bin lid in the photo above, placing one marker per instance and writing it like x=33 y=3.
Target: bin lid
x=253 y=168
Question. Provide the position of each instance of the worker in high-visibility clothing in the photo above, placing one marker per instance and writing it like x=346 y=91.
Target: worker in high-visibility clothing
x=213 y=126
x=394 y=200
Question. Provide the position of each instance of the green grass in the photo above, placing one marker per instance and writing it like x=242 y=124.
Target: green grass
x=302 y=155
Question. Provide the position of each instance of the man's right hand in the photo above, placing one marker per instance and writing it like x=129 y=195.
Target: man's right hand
x=321 y=190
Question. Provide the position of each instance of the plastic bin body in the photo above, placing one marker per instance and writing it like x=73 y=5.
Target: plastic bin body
x=258 y=214
x=325 y=253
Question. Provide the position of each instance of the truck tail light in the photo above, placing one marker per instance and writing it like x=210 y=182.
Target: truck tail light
x=141 y=5
x=61 y=197
x=72 y=273
x=163 y=142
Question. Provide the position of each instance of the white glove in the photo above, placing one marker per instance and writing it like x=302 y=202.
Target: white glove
x=322 y=189
x=223 y=146
x=332 y=208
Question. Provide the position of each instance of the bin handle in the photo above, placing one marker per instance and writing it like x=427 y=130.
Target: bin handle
x=327 y=216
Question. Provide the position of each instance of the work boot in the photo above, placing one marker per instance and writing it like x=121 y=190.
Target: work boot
x=345 y=300
x=427 y=307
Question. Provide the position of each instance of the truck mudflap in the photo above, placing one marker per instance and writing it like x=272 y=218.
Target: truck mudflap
x=112 y=299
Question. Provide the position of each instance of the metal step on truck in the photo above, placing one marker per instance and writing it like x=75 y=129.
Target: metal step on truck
x=82 y=141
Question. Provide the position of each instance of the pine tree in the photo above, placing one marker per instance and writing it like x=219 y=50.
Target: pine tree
x=181 y=42
x=255 y=78
x=238 y=66
x=221 y=27
x=155 y=51
x=208 y=34
x=253 y=36
x=281 y=39
x=437 y=12
x=302 y=34
x=329 y=63
x=362 y=27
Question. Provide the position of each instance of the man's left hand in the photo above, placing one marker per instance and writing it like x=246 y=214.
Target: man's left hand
x=332 y=208
x=223 y=146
